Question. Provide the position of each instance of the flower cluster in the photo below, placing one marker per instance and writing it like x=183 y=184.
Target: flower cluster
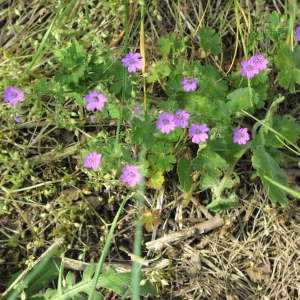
x=133 y=62
x=13 y=96
x=252 y=66
x=189 y=84
x=241 y=136
x=131 y=174
x=167 y=122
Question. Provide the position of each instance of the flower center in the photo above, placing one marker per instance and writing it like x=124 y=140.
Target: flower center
x=240 y=135
x=166 y=122
x=95 y=99
x=92 y=160
x=132 y=61
x=14 y=95
x=131 y=175
x=249 y=68
x=198 y=131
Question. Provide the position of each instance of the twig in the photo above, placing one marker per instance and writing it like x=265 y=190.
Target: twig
x=204 y=227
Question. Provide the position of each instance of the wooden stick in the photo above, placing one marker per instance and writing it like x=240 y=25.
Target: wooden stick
x=204 y=227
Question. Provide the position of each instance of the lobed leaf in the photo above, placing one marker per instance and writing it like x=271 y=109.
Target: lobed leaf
x=288 y=60
x=267 y=167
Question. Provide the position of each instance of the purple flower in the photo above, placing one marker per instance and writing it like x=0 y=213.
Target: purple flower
x=93 y=160
x=131 y=175
x=133 y=61
x=298 y=33
x=181 y=118
x=197 y=133
x=189 y=84
x=137 y=111
x=259 y=61
x=13 y=96
x=249 y=68
x=95 y=100
x=33 y=139
x=165 y=123
x=18 y=119
x=241 y=136
x=5 y=221
x=92 y=118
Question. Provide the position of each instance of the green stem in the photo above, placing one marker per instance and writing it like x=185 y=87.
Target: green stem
x=138 y=231
x=218 y=191
x=106 y=248
x=124 y=75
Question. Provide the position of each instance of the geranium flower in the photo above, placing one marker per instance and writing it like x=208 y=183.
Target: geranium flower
x=133 y=62
x=95 y=100
x=165 y=122
x=92 y=160
x=198 y=133
x=131 y=175
x=13 y=96
x=241 y=136
x=249 y=68
x=189 y=84
x=181 y=118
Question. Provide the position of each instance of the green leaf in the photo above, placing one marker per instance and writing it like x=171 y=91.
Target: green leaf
x=143 y=133
x=185 y=170
x=1 y=205
x=208 y=182
x=220 y=110
x=160 y=158
x=117 y=282
x=73 y=64
x=223 y=203
x=160 y=71
x=288 y=61
x=276 y=28
x=38 y=277
x=193 y=101
x=116 y=70
x=266 y=166
x=210 y=40
x=241 y=99
x=288 y=127
x=212 y=84
x=209 y=162
x=165 y=44
x=156 y=179
x=283 y=187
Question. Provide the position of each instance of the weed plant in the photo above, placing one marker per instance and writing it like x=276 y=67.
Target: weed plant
x=225 y=115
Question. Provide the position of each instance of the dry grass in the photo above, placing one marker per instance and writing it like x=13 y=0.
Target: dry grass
x=255 y=255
